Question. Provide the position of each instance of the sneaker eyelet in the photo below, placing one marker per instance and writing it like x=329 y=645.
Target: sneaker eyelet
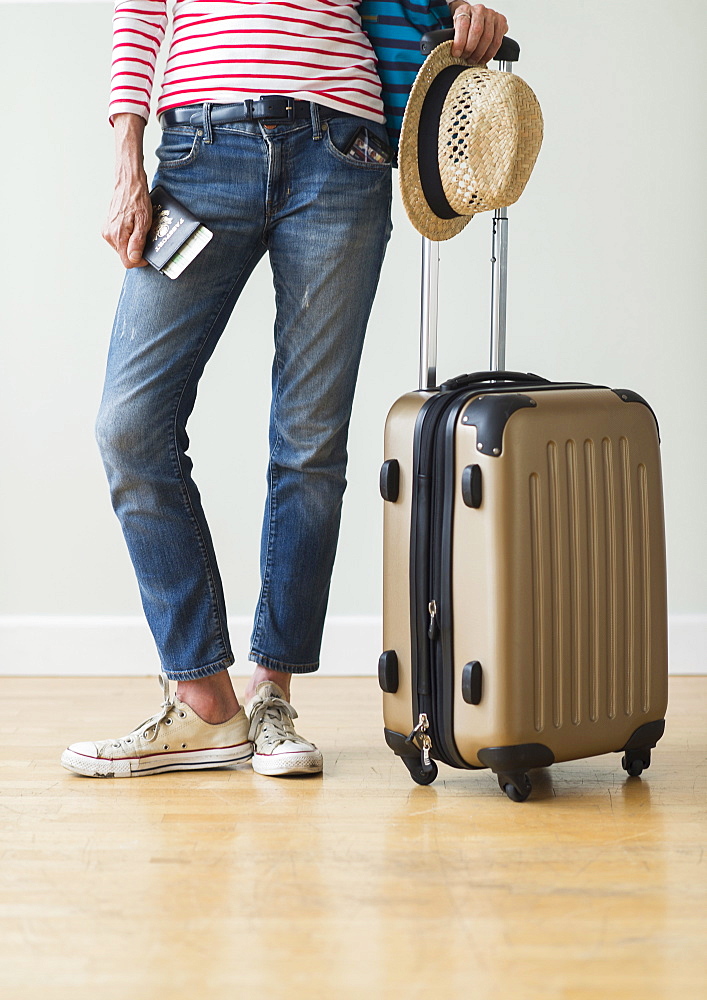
x=166 y=746
x=182 y=715
x=184 y=746
x=168 y=722
x=129 y=739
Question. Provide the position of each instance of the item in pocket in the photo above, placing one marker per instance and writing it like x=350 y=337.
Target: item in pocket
x=368 y=148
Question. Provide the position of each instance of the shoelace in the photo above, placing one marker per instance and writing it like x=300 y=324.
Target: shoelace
x=275 y=715
x=153 y=723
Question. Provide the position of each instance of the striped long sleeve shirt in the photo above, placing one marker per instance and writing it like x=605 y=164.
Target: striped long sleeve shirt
x=314 y=50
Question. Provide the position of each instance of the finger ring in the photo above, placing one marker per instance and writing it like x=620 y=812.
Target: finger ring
x=462 y=13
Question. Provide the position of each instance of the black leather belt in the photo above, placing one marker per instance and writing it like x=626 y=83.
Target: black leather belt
x=272 y=108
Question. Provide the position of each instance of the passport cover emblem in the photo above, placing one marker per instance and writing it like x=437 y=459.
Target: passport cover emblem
x=176 y=235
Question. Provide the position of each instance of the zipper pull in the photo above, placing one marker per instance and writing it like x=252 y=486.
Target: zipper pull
x=421 y=727
x=425 y=743
x=433 y=630
x=426 y=747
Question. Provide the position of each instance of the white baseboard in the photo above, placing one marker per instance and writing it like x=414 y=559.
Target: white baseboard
x=64 y=645
x=48 y=646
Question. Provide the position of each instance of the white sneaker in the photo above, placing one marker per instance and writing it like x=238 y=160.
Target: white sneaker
x=279 y=751
x=176 y=739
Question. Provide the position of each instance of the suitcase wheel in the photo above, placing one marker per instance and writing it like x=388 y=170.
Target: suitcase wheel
x=422 y=774
x=516 y=786
x=634 y=762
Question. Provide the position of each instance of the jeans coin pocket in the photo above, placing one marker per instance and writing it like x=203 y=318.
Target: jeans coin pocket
x=179 y=146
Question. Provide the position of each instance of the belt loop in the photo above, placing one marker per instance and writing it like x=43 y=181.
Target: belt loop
x=208 y=135
x=316 y=124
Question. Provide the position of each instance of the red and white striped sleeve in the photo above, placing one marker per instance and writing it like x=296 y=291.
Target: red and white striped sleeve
x=138 y=29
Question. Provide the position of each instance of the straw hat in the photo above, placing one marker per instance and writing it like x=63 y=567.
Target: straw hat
x=469 y=141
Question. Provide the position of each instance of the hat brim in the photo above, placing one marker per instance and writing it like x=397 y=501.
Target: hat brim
x=427 y=222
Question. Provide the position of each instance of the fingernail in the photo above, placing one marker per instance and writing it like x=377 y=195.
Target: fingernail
x=135 y=255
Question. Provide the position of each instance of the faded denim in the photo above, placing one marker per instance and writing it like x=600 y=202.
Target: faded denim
x=324 y=220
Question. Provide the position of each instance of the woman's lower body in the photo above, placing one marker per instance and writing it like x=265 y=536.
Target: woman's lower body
x=324 y=220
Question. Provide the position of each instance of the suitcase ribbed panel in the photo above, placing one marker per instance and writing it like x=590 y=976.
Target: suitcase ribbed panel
x=538 y=576
x=631 y=638
x=590 y=571
x=610 y=583
x=645 y=629
x=592 y=563
x=574 y=584
x=557 y=585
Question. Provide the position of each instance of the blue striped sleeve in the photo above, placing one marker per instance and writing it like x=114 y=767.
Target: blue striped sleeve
x=394 y=28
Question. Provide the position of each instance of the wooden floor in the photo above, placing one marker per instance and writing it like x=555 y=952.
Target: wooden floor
x=357 y=884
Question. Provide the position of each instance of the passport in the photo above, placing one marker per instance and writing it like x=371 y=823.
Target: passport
x=176 y=236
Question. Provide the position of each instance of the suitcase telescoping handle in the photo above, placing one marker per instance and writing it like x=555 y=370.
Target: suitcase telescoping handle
x=508 y=53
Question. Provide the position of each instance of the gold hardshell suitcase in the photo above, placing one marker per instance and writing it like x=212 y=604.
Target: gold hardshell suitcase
x=525 y=608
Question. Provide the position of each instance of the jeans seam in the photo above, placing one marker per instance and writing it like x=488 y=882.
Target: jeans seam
x=180 y=471
x=272 y=484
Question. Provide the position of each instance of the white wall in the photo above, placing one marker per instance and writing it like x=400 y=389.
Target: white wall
x=606 y=284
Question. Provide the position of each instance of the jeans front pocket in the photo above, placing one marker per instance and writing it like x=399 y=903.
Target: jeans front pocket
x=341 y=131
x=179 y=146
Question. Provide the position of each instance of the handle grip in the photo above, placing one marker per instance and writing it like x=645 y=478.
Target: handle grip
x=509 y=51
x=473 y=378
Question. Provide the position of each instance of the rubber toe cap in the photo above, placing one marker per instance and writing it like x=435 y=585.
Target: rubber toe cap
x=85 y=749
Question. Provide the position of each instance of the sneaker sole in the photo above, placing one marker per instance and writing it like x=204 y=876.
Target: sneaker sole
x=280 y=765
x=157 y=763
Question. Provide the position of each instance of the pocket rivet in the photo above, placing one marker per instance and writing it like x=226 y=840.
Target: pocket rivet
x=200 y=131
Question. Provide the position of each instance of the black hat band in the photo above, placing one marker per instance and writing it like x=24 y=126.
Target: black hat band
x=428 y=142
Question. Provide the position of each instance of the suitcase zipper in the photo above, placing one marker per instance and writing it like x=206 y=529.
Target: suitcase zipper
x=427 y=569
x=438 y=633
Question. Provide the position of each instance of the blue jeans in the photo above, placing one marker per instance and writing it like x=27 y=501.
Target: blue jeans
x=324 y=219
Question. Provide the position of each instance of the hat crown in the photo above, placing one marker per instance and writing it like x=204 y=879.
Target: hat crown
x=490 y=132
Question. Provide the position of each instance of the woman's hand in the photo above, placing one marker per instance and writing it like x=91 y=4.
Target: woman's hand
x=478 y=32
x=130 y=212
